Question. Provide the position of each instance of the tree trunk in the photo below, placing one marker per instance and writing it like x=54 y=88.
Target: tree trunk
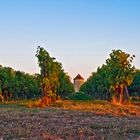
x=44 y=90
x=116 y=93
x=121 y=94
x=45 y=100
x=108 y=96
x=115 y=99
x=126 y=94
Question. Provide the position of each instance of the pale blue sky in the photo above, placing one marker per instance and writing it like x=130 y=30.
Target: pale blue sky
x=79 y=33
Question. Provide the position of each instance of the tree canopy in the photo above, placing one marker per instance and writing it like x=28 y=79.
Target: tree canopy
x=113 y=78
x=134 y=88
x=19 y=84
x=54 y=80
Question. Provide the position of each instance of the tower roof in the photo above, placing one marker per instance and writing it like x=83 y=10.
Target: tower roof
x=79 y=77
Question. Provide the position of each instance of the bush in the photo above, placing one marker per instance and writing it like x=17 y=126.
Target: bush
x=80 y=96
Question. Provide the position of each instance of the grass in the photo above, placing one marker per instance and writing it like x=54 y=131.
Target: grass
x=99 y=107
x=66 y=120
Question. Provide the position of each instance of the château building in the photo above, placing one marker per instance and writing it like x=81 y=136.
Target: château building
x=78 y=82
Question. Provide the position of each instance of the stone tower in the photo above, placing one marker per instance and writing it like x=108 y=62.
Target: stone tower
x=78 y=82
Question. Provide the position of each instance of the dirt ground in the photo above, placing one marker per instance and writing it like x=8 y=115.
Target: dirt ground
x=94 y=122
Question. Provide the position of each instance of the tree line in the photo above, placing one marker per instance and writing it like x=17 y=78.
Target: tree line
x=115 y=80
x=52 y=81
x=15 y=85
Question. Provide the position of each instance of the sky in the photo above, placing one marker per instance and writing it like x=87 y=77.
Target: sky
x=78 y=33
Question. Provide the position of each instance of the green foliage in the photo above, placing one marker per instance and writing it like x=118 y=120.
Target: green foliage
x=53 y=78
x=121 y=73
x=120 y=68
x=97 y=85
x=50 y=71
x=66 y=87
x=80 y=96
x=117 y=72
x=19 y=84
x=134 y=88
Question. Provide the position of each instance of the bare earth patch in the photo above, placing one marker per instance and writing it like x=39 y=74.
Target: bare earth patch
x=70 y=121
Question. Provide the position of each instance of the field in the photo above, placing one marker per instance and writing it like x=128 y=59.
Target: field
x=69 y=120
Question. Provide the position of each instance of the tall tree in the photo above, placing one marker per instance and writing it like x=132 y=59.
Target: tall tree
x=52 y=76
x=112 y=79
x=121 y=73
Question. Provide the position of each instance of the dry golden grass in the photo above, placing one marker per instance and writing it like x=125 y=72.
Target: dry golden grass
x=100 y=107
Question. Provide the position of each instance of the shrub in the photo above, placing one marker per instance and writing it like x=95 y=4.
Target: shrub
x=80 y=96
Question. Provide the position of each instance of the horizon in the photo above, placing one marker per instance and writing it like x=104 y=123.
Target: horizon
x=79 y=34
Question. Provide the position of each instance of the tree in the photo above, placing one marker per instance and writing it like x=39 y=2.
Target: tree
x=18 y=85
x=134 y=88
x=113 y=78
x=121 y=73
x=53 y=77
x=66 y=87
x=97 y=84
